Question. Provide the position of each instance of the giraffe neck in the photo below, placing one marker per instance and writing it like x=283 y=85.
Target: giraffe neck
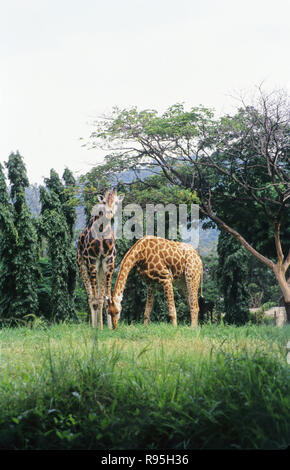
x=128 y=262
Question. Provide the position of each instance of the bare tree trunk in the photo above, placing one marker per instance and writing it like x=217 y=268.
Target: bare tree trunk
x=280 y=269
x=287 y=304
x=284 y=286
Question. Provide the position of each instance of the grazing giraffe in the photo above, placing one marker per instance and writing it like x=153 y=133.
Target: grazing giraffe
x=162 y=261
x=96 y=252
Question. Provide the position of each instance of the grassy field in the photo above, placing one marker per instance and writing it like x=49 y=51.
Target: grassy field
x=68 y=386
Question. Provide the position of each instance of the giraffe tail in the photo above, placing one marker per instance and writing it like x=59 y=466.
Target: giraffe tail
x=201 y=283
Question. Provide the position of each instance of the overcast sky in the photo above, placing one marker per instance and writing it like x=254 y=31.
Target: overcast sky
x=64 y=62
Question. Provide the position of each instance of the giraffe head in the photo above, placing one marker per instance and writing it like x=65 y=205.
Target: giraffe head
x=114 y=309
x=107 y=204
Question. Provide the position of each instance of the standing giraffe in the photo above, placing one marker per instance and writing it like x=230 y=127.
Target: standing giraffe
x=96 y=252
x=163 y=261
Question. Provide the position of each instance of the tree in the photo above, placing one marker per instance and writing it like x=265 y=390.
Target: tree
x=56 y=225
x=68 y=200
x=238 y=165
x=8 y=241
x=94 y=183
x=20 y=272
x=233 y=279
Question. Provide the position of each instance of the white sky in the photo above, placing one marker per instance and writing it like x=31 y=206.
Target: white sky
x=64 y=62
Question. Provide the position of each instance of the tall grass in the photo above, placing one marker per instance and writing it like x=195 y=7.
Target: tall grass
x=71 y=387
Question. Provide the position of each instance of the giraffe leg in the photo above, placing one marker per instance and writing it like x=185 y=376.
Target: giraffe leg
x=102 y=289
x=149 y=304
x=168 y=290
x=86 y=278
x=186 y=288
x=108 y=269
x=192 y=289
x=108 y=280
x=91 y=292
x=94 y=299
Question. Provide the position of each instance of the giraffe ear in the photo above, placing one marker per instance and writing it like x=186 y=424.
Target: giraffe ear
x=120 y=198
x=100 y=198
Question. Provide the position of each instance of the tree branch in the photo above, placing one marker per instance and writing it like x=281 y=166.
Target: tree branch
x=278 y=243
x=286 y=264
x=208 y=211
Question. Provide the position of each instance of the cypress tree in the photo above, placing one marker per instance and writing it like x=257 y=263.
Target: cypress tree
x=8 y=242
x=70 y=213
x=21 y=238
x=57 y=227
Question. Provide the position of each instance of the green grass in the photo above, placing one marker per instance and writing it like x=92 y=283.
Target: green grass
x=68 y=386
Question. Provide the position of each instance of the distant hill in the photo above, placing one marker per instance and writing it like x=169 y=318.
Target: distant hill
x=128 y=176
x=33 y=201
x=208 y=241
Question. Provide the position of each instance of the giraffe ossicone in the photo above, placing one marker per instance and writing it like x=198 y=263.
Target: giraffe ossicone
x=160 y=261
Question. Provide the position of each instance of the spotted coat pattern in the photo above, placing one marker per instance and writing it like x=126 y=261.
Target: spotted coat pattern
x=165 y=262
